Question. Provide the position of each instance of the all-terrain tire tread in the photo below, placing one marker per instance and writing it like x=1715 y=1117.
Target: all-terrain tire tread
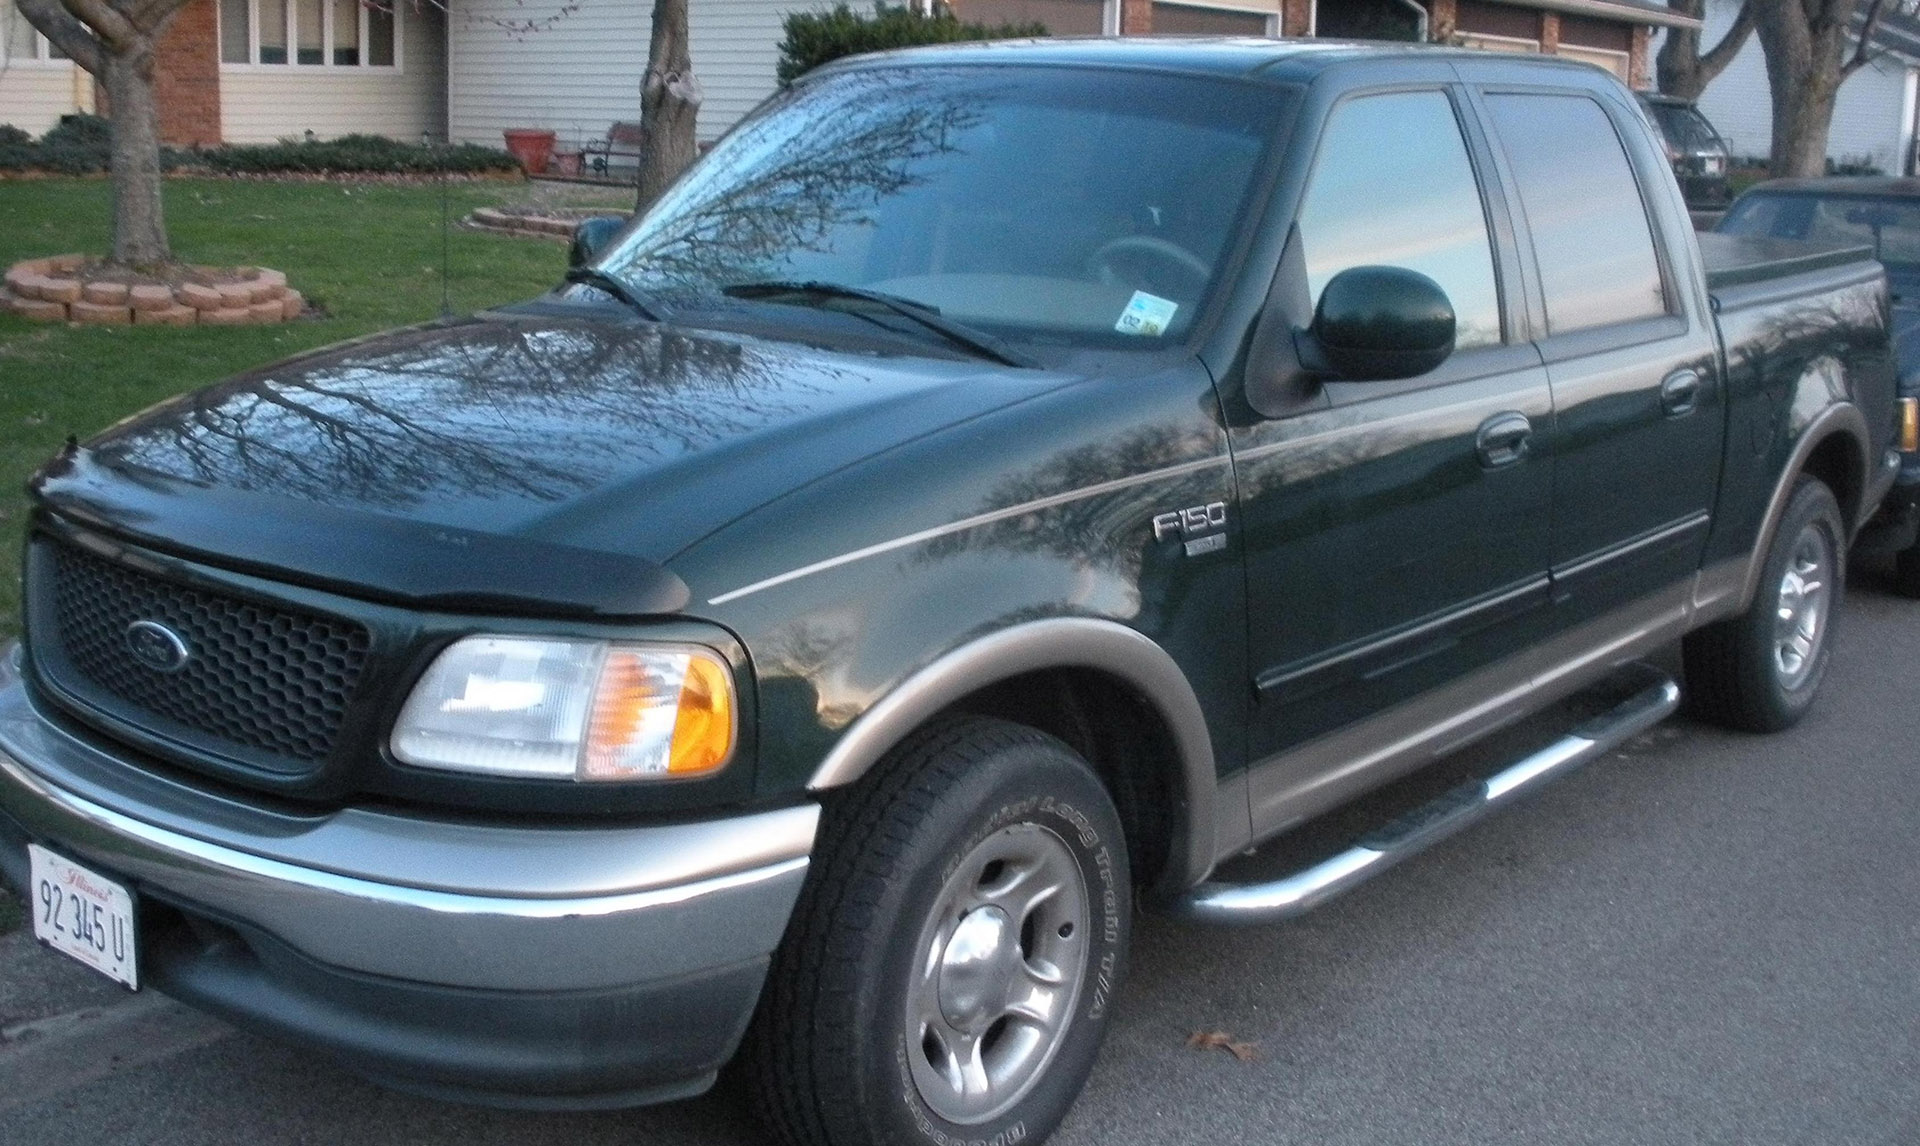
x=794 y=1048
x=1726 y=683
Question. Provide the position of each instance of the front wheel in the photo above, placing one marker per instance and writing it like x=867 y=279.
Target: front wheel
x=951 y=968
x=1759 y=671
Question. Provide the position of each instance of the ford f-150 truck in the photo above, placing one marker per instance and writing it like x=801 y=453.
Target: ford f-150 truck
x=995 y=486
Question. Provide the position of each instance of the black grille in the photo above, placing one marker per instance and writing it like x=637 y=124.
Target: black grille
x=259 y=677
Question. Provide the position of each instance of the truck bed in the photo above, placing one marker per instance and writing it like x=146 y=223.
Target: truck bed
x=1752 y=260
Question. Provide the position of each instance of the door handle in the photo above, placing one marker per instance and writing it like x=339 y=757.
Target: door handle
x=1680 y=393
x=1503 y=439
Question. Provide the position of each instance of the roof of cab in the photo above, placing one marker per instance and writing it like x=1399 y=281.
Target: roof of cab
x=1289 y=59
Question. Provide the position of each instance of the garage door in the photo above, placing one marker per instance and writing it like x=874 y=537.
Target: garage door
x=1189 y=20
x=1061 y=17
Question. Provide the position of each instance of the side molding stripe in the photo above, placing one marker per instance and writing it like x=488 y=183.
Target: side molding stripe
x=966 y=523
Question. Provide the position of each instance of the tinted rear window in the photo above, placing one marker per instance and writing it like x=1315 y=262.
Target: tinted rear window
x=1582 y=203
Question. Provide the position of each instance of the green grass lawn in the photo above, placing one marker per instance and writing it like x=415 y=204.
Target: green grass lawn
x=369 y=254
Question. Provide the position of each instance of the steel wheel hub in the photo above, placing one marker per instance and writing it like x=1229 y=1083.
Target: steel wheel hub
x=1800 y=618
x=1002 y=957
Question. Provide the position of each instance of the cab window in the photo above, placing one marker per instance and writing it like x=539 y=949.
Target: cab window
x=1392 y=186
x=1591 y=237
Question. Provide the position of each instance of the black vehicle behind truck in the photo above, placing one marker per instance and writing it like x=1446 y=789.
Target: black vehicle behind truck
x=1882 y=215
x=996 y=485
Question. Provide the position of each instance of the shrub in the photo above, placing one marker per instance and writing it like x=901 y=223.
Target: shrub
x=80 y=131
x=356 y=155
x=813 y=38
x=80 y=145
x=1853 y=165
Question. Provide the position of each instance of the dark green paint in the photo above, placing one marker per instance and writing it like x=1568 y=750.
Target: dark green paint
x=1382 y=537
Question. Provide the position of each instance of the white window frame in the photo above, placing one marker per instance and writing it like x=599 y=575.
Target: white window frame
x=1595 y=56
x=1492 y=43
x=326 y=64
x=42 y=57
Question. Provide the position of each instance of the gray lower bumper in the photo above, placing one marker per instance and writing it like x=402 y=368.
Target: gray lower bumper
x=488 y=916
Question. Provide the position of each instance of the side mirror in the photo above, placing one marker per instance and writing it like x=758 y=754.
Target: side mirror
x=590 y=238
x=1376 y=324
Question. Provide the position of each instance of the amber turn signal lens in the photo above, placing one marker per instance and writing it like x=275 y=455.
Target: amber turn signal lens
x=1910 y=425
x=703 y=730
x=658 y=713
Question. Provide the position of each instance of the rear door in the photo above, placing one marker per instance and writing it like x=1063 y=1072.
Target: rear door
x=1628 y=347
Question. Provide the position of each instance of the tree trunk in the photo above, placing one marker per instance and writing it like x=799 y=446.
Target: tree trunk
x=1805 y=42
x=1800 y=126
x=669 y=103
x=139 y=227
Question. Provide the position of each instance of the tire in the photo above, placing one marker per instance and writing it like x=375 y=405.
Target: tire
x=1759 y=671
x=917 y=934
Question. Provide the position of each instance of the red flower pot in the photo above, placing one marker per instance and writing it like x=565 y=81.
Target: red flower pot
x=531 y=146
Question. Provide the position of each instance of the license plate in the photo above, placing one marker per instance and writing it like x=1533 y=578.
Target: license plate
x=84 y=914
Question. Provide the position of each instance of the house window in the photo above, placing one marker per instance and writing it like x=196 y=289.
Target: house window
x=19 y=43
x=308 y=33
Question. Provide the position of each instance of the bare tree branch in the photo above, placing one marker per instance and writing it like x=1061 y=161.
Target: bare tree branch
x=1863 y=53
x=1715 y=60
x=63 y=32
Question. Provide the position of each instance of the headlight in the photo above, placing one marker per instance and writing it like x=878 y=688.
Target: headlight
x=582 y=710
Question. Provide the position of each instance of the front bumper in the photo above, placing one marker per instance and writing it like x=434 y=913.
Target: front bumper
x=562 y=966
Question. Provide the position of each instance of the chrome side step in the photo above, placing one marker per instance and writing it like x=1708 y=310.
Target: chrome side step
x=1414 y=832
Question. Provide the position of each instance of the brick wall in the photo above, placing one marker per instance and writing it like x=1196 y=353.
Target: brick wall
x=186 y=77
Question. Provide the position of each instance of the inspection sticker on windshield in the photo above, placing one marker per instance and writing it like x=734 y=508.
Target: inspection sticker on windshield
x=1146 y=314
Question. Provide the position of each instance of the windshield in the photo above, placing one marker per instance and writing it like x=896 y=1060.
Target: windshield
x=1891 y=226
x=1685 y=127
x=1080 y=207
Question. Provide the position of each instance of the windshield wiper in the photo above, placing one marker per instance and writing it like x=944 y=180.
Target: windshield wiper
x=982 y=344
x=602 y=281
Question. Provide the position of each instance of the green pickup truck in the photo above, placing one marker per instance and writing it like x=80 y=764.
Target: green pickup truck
x=996 y=485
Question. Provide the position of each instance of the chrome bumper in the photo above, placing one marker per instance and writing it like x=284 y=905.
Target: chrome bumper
x=442 y=902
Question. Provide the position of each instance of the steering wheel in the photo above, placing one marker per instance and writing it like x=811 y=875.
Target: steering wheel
x=1151 y=249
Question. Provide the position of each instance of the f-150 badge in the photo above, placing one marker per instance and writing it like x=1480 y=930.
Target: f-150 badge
x=1202 y=527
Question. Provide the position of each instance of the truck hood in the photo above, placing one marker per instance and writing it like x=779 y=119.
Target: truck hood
x=533 y=460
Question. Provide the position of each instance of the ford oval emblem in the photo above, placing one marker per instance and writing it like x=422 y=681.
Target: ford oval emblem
x=157 y=647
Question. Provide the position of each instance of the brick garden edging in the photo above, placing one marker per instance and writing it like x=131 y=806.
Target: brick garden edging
x=51 y=290
x=558 y=224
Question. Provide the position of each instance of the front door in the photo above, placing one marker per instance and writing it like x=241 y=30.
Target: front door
x=1396 y=535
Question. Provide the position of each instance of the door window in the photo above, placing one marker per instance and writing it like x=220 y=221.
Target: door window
x=1582 y=202
x=1392 y=186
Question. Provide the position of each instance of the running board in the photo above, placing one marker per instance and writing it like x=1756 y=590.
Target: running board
x=1415 y=831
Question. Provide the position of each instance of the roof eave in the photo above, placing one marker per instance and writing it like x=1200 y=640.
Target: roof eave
x=1613 y=10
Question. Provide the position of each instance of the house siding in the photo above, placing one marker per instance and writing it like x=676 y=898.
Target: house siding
x=1867 y=118
x=262 y=103
x=34 y=94
x=583 y=73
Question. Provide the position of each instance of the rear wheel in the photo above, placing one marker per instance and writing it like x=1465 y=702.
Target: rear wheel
x=951 y=966
x=1759 y=671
